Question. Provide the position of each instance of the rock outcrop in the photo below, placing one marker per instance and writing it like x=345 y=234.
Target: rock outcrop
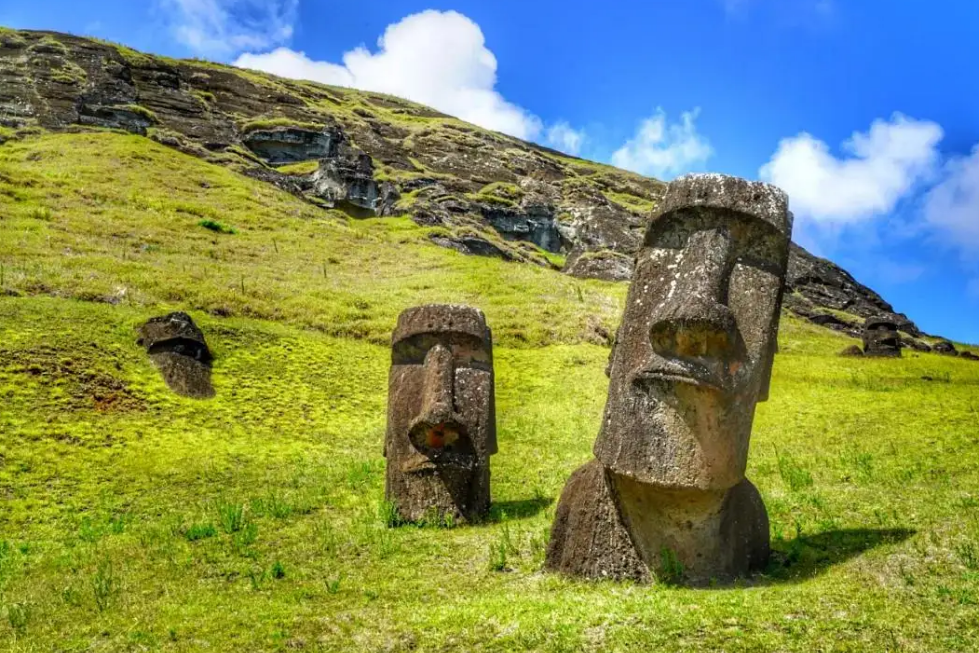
x=370 y=154
x=816 y=284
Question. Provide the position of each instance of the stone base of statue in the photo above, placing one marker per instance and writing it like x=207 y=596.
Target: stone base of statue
x=608 y=526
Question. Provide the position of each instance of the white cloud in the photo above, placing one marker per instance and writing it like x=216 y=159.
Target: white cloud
x=436 y=58
x=563 y=137
x=952 y=206
x=221 y=28
x=661 y=149
x=882 y=167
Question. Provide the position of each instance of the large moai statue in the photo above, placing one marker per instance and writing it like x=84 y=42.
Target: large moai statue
x=666 y=493
x=177 y=347
x=880 y=338
x=441 y=427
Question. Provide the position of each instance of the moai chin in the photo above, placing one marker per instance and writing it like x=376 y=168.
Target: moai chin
x=666 y=493
x=880 y=338
x=177 y=346
x=441 y=428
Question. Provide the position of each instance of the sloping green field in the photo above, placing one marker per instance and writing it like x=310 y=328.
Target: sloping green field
x=133 y=519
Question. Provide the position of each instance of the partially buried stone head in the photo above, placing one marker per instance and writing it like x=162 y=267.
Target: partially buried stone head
x=441 y=416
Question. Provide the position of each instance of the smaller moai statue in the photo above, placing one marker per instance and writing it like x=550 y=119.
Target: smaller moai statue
x=880 y=338
x=178 y=349
x=946 y=348
x=441 y=428
x=666 y=494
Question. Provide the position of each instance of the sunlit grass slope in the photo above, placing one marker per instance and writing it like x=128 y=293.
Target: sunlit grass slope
x=132 y=519
x=117 y=218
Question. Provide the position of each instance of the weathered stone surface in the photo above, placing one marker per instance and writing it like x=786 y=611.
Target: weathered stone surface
x=914 y=343
x=603 y=264
x=589 y=537
x=945 y=347
x=114 y=118
x=852 y=351
x=692 y=357
x=290 y=145
x=880 y=338
x=968 y=355
x=816 y=282
x=535 y=224
x=817 y=315
x=346 y=177
x=441 y=427
x=177 y=347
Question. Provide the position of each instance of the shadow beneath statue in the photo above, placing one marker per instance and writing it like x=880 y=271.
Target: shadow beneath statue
x=501 y=511
x=807 y=556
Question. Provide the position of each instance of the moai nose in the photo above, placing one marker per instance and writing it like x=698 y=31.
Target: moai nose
x=696 y=321
x=437 y=404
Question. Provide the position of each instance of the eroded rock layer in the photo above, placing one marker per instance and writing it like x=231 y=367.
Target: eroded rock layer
x=374 y=155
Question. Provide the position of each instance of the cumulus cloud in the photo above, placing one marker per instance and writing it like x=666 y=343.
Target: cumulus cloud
x=221 y=28
x=881 y=167
x=563 y=137
x=436 y=58
x=662 y=149
x=952 y=206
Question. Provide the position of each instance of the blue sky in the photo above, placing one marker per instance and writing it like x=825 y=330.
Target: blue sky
x=865 y=111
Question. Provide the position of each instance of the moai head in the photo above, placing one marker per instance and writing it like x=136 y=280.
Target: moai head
x=441 y=416
x=694 y=352
x=880 y=338
x=179 y=350
x=945 y=347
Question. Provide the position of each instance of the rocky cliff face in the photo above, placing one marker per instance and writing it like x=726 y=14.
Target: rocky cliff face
x=374 y=155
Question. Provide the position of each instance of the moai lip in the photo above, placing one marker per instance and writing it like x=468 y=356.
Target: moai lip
x=441 y=427
x=178 y=349
x=880 y=338
x=666 y=493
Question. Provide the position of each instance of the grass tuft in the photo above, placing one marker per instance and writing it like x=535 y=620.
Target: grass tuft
x=218 y=227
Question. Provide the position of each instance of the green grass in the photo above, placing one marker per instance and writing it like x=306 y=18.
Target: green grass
x=69 y=229
x=302 y=169
x=217 y=227
x=273 y=123
x=637 y=204
x=135 y=519
x=143 y=112
x=49 y=45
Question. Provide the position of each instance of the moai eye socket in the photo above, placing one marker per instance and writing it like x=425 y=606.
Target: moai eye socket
x=467 y=350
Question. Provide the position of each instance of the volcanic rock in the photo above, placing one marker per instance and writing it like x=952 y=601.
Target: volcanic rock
x=177 y=347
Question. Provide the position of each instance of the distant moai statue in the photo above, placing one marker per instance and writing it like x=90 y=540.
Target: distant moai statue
x=666 y=494
x=880 y=338
x=441 y=428
x=945 y=347
x=177 y=347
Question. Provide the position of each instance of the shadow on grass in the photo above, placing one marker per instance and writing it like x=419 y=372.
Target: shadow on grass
x=521 y=509
x=807 y=556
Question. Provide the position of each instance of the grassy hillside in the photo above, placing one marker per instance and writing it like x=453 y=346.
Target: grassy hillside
x=134 y=519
